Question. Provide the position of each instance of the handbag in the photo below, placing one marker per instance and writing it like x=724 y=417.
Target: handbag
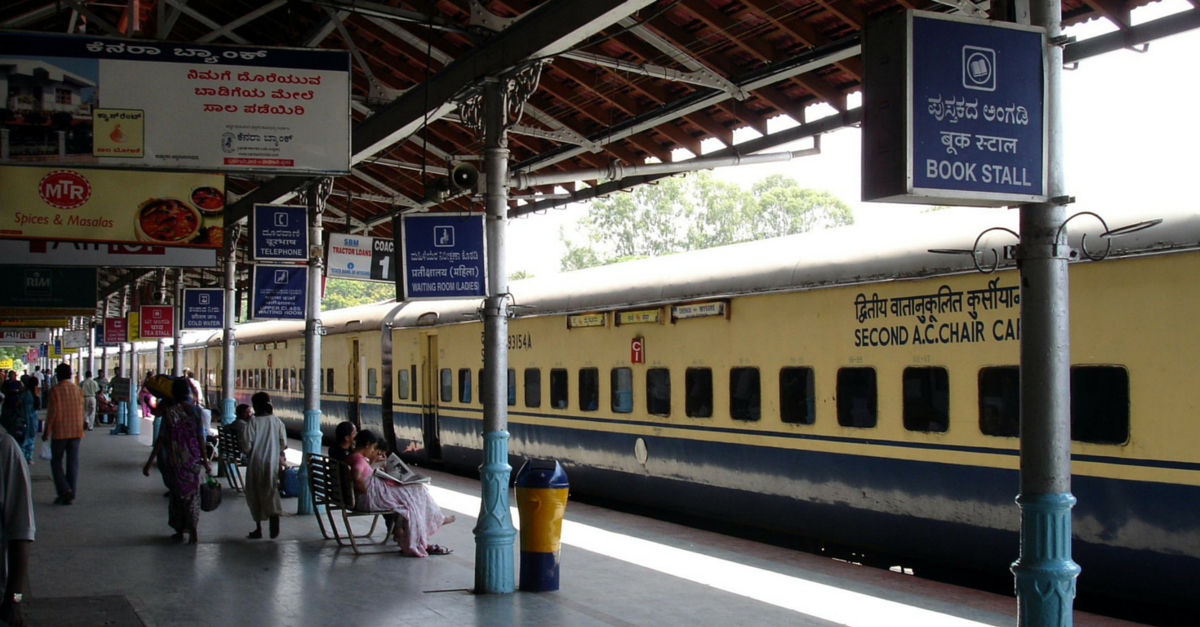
x=44 y=451
x=210 y=494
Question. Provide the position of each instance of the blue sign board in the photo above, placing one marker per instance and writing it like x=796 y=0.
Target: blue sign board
x=280 y=292
x=203 y=308
x=280 y=233
x=978 y=108
x=443 y=256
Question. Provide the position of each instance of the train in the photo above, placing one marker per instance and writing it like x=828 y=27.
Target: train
x=849 y=385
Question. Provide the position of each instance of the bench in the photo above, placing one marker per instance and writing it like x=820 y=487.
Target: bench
x=331 y=484
x=229 y=457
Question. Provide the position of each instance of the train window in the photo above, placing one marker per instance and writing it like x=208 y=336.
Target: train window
x=856 y=397
x=698 y=383
x=745 y=394
x=926 y=399
x=329 y=381
x=1100 y=404
x=513 y=388
x=797 y=402
x=621 y=381
x=658 y=392
x=558 y=388
x=1000 y=401
x=372 y=382
x=464 y=385
x=447 y=385
x=589 y=389
x=402 y=385
x=533 y=387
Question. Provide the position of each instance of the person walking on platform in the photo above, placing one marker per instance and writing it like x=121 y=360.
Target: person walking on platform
x=31 y=383
x=265 y=440
x=64 y=428
x=90 y=388
x=16 y=527
x=178 y=451
x=18 y=416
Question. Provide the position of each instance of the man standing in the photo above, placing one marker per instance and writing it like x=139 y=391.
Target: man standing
x=265 y=440
x=32 y=382
x=16 y=528
x=64 y=425
x=90 y=388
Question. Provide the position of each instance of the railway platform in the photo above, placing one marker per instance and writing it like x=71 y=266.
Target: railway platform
x=108 y=559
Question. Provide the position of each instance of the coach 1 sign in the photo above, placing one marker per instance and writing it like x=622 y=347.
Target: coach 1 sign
x=953 y=111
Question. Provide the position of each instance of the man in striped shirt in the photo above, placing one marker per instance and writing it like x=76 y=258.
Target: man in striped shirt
x=64 y=425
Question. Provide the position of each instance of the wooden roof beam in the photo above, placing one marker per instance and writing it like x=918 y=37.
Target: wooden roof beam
x=1116 y=11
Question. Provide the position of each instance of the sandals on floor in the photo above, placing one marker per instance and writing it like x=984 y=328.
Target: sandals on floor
x=437 y=549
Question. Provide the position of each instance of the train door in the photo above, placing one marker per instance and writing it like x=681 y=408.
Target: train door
x=354 y=394
x=429 y=401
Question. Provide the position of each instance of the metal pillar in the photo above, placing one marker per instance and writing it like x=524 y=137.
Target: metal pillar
x=177 y=330
x=315 y=196
x=91 y=360
x=494 y=532
x=1045 y=574
x=228 y=401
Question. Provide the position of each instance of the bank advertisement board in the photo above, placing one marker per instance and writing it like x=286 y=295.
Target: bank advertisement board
x=156 y=209
x=120 y=104
x=34 y=291
x=280 y=292
x=954 y=111
x=203 y=308
x=8 y=337
x=361 y=258
x=443 y=256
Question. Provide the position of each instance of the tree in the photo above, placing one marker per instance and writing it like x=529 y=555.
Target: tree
x=695 y=212
x=520 y=274
x=342 y=293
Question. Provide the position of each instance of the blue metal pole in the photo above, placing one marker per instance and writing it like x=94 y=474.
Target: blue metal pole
x=316 y=194
x=228 y=365
x=1045 y=573
x=135 y=417
x=494 y=532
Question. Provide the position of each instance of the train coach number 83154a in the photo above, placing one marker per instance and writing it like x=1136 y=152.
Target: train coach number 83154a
x=516 y=341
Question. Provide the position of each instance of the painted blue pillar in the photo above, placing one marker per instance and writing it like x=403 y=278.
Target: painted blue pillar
x=494 y=531
x=315 y=195
x=1045 y=573
x=135 y=414
x=228 y=411
x=122 y=417
x=228 y=341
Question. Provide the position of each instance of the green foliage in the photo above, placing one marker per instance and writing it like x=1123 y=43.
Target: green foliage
x=695 y=212
x=520 y=274
x=342 y=293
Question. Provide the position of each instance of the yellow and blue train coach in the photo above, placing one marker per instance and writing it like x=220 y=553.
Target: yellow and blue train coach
x=846 y=387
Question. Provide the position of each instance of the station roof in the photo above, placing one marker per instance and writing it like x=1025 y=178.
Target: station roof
x=623 y=80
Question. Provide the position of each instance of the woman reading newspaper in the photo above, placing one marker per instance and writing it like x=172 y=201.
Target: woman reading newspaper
x=420 y=516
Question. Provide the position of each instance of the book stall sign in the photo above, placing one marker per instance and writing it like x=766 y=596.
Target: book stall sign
x=116 y=330
x=9 y=337
x=245 y=108
x=953 y=111
x=40 y=291
x=156 y=209
x=280 y=292
x=65 y=253
x=156 y=321
x=280 y=233
x=203 y=308
x=443 y=256
x=361 y=258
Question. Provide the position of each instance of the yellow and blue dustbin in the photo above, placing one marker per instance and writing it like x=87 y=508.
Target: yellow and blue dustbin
x=541 y=500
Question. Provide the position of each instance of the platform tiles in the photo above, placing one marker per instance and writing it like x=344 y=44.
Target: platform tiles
x=108 y=560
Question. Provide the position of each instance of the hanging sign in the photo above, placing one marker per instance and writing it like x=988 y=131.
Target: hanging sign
x=6 y=364
x=156 y=321
x=133 y=327
x=280 y=292
x=9 y=337
x=58 y=253
x=76 y=338
x=36 y=323
x=953 y=111
x=244 y=108
x=361 y=258
x=280 y=233
x=115 y=331
x=443 y=256
x=41 y=291
x=32 y=355
x=203 y=308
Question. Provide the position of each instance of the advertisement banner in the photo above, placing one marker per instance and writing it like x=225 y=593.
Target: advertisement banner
x=203 y=308
x=443 y=256
x=77 y=338
x=121 y=103
x=38 y=291
x=97 y=206
x=156 y=321
x=32 y=355
x=280 y=292
x=116 y=330
x=6 y=364
x=36 y=323
x=132 y=328
x=361 y=258
x=8 y=337
x=280 y=233
x=57 y=253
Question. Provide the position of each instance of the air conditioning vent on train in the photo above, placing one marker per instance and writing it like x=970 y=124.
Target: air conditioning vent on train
x=428 y=318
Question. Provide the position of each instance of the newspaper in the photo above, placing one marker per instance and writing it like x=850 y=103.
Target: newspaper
x=395 y=469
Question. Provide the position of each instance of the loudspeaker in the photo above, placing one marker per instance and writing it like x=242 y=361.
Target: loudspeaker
x=464 y=176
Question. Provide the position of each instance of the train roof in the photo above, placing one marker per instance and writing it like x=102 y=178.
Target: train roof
x=841 y=256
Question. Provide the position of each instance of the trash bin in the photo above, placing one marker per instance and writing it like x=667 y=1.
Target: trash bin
x=541 y=501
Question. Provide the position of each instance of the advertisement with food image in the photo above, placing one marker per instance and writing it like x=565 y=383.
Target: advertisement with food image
x=161 y=209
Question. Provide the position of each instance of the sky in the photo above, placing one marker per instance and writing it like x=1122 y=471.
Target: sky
x=1131 y=128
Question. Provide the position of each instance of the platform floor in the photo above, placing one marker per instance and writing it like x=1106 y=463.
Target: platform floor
x=109 y=560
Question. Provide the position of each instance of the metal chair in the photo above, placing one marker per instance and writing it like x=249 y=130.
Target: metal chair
x=229 y=456
x=331 y=484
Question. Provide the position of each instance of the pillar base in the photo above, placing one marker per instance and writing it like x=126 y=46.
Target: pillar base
x=494 y=533
x=312 y=446
x=228 y=411
x=1045 y=574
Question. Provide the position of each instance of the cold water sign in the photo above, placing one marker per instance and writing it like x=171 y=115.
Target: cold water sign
x=280 y=233
x=280 y=292
x=203 y=308
x=443 y=256
x=968 y=126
